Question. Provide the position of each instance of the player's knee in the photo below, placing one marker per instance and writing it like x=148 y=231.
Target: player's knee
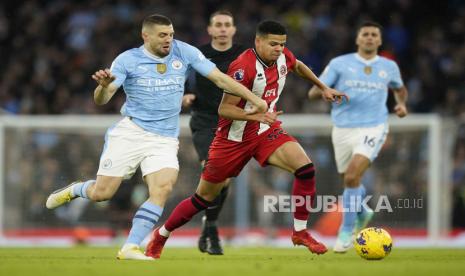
x=307 y=171
x=164 y=188
x=201 y=202
x=209 y=194
x=351 y=180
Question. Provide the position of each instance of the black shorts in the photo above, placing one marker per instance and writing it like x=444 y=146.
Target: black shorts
x=203 y=127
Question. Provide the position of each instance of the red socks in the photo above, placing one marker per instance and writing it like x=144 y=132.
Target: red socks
x=185 y=210
x=304 y=186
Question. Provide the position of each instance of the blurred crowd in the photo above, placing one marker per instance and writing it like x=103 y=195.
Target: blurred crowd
x=50 y=48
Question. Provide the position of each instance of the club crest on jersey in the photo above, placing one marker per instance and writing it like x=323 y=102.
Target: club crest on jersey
x=176 y=64
x=283 y=70
x=161 y=68
x=382 y=74
x=367 y=70
x=239 y=75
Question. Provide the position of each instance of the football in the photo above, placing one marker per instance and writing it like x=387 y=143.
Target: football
x=373 y=243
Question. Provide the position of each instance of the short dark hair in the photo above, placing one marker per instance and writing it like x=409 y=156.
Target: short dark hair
x=156 y=19
x=270 y=27
x=370 y=24
x=220 y=12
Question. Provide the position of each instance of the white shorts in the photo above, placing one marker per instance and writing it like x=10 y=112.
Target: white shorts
x=366 y=141
x=127 y=146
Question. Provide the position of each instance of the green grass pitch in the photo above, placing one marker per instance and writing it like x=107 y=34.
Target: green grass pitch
x=297 y=261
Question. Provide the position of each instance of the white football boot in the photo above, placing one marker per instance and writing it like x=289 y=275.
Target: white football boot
x=343 y=242
x=132 y=252
x=60 y=196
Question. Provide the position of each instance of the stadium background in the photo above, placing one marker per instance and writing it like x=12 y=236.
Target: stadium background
x=49 y=49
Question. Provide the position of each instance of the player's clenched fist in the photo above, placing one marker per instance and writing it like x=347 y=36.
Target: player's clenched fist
x=103 y=77
x=400 y=110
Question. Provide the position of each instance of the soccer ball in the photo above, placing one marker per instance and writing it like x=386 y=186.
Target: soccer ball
x=373 y=243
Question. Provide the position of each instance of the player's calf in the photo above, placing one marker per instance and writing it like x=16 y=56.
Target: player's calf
x=303 y=187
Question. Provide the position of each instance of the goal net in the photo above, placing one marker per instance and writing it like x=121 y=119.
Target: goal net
x=42 y=153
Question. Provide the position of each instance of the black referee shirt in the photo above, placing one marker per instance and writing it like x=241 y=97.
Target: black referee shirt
x=208 y=95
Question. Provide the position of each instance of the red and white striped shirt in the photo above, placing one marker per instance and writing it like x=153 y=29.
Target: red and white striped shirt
x=264 y=81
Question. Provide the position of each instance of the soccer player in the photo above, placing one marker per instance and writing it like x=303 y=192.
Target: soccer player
x=204 y=120
x=241 y=136
x=360 y=126
x=153 y=78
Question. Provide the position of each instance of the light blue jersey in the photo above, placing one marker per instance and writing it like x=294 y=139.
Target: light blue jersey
x=366 y=82
x=154 y=86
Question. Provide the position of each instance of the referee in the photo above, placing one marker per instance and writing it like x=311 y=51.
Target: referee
x=204 y=120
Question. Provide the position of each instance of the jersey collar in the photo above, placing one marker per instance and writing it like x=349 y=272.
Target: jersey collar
x=154 y=57
x=366 y=61
x=261 y=60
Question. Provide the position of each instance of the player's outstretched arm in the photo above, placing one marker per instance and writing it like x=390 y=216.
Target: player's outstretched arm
x=401 y=95
x=328 y=94
x=105 y=89
x=228 y=109
x=227 y=83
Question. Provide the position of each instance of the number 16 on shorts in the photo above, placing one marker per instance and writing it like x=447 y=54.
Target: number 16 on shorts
x=364 y=141
x=370 y=141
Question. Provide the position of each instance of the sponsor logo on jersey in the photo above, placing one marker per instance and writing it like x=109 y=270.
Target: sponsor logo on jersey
x=176 y=64
x=270 y=92
x=365 y=85
x=239 y=75
x=162 y=84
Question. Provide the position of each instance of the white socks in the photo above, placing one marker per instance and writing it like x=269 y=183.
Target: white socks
x=300 y=225
x=165 y=233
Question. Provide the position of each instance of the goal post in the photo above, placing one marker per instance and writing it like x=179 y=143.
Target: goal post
x=415 y=163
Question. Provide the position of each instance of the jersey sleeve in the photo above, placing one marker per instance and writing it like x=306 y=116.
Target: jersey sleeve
x=238 y=71
x=330 y=74
x=290 y=59
x=198 y=61
x=396 y=79
x=118 y=69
